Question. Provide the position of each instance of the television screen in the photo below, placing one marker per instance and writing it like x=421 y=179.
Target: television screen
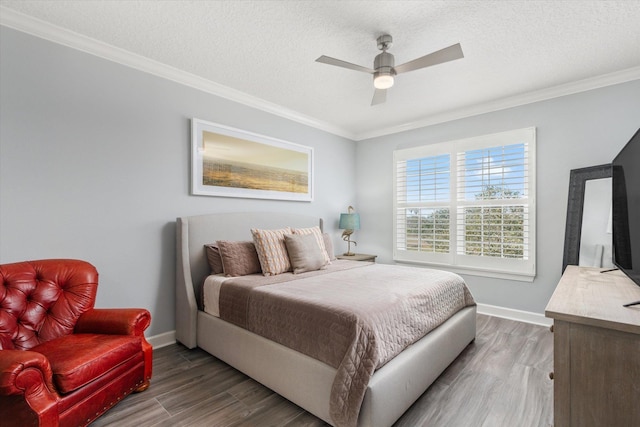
x=626 y=209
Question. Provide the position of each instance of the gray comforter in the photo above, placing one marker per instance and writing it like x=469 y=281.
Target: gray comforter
x=354 y=316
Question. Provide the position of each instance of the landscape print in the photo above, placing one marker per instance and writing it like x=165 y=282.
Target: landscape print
x=239 y=163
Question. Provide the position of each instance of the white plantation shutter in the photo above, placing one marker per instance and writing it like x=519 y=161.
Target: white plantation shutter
x=424 y=212
x=468 y=204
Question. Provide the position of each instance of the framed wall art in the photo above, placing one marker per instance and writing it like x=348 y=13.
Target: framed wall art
x=230 y=162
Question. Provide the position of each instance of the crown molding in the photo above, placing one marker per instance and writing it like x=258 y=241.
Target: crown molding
x=584 y=85
x=45 y=30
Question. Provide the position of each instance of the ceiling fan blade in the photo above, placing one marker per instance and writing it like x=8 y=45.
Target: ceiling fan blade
x=379 y=96
x=443 y=55
x=344 y=64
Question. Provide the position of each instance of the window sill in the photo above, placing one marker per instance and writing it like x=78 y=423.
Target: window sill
x=473 y=271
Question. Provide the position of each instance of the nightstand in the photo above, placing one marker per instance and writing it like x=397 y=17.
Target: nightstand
x=358 y=257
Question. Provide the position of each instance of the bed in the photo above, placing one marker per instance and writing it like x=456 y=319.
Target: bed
x=304 y=380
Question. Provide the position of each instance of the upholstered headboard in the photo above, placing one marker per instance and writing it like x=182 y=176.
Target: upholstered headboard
x=192 y=233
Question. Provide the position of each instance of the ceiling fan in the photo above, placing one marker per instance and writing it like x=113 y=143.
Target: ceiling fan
x=384 y=65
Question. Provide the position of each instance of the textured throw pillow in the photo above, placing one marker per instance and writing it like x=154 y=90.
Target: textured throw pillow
x=328 y=245
x=317 y=234
x=213 y=256
x=238 y=258
x=272 y=251
x=304 y=253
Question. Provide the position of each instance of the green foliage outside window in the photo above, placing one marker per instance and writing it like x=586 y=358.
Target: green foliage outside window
x=496 y=231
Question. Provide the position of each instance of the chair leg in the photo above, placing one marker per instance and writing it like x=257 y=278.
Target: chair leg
x=145 y=385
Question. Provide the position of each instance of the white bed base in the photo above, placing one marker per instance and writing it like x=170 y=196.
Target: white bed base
x=299 y=378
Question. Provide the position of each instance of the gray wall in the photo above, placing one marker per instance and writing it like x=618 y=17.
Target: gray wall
x=94 y=164
x=573 y=131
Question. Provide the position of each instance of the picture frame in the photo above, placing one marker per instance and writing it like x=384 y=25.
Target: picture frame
x=230 y=162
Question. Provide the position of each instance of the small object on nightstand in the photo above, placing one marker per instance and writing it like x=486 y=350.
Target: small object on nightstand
x=358 y=257
x=349 y=222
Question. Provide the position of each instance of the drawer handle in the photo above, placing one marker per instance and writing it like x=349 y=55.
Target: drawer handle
x=550 y=375
x=551 y=328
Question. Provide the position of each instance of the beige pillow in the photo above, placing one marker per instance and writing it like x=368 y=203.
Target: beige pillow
x=272 y=251
x=317 y=234
x=328 y=245
x=238 y=258
x=304 y=252
x=213 y=256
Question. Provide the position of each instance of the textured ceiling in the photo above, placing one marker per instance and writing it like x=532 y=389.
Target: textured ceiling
x=267 y=49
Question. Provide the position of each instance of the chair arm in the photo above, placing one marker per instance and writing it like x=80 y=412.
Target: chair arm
x=27 y=375
x=120 y=321
x=114 y=321
x=19 y=369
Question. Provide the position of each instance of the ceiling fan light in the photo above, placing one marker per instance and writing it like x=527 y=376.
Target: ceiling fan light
x=383 y=81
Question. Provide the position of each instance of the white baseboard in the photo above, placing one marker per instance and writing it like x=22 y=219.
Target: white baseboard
x=162 y=340
x=512 y=314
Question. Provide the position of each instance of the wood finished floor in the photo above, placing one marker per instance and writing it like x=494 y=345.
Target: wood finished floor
x=501 y=379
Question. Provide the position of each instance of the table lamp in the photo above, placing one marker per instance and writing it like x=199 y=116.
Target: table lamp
x=349 y=222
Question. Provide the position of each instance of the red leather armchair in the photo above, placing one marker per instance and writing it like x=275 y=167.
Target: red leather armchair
x=62 y=362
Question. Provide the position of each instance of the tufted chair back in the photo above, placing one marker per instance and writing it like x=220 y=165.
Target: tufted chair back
x=42 y=300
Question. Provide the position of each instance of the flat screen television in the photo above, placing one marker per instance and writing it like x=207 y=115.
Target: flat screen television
x=626 y=209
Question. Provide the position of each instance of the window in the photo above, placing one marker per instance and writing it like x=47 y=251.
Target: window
x=468 y=204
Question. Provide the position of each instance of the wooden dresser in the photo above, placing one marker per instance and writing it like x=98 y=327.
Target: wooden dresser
x=596 y=349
